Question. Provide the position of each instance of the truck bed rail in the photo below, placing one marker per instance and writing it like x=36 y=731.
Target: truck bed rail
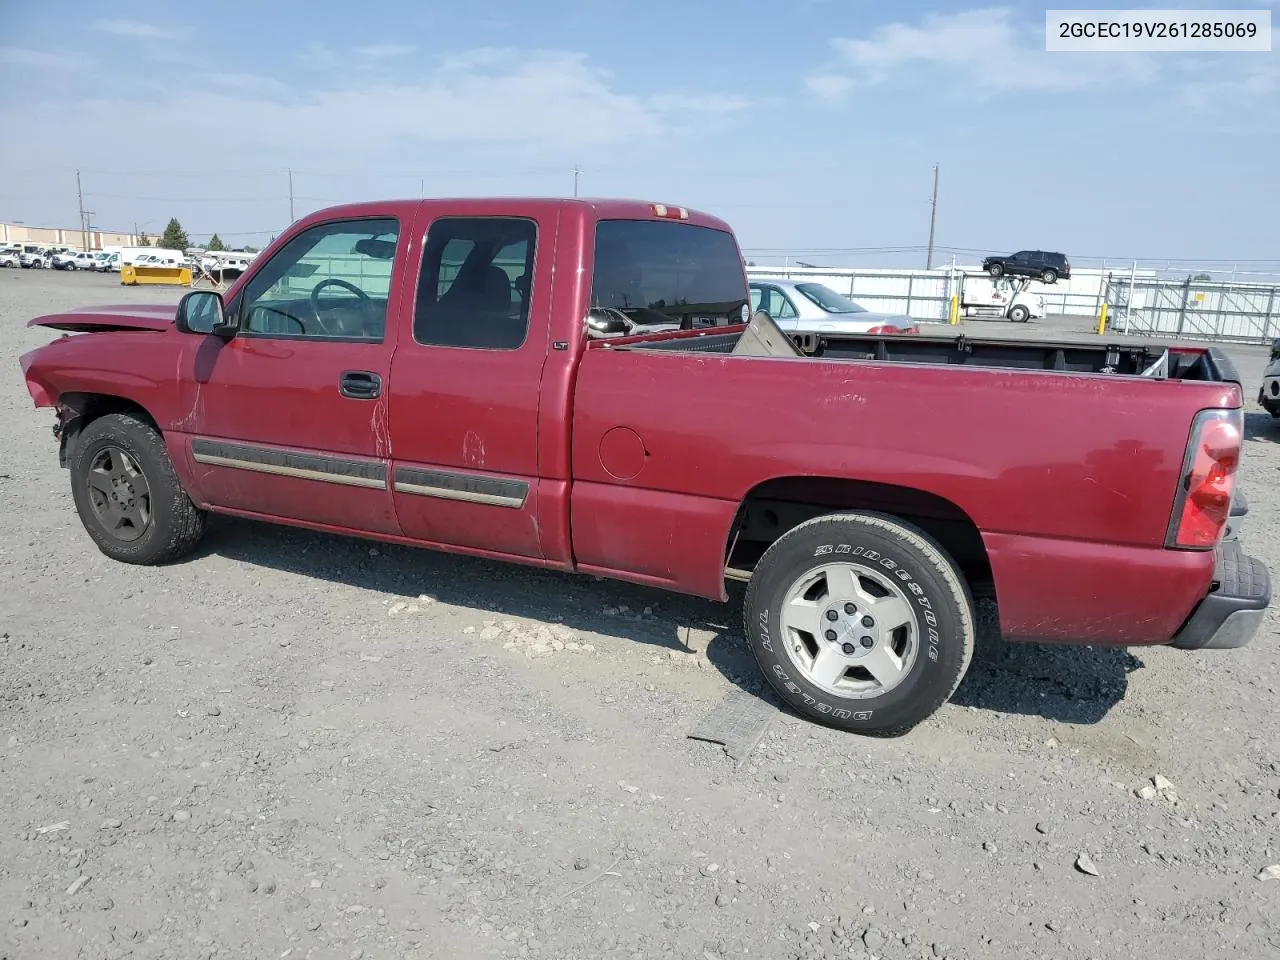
x=1154 y=361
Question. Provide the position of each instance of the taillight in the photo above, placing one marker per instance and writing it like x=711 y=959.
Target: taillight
x=1203 y=501
x=890 y=328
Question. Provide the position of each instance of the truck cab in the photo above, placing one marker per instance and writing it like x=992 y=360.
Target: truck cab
x=1007 y=297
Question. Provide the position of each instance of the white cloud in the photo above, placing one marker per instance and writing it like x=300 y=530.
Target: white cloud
x=385 y=51
x=554 y=103
x=1246 y=101
x=712 y=103
x=828 y=85
x=984 y=51
x=43 y=59
x=250 y=83
x=139 y=29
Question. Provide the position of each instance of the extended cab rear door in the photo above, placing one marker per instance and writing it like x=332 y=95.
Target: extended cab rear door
x=289 y=417
x=467 y=376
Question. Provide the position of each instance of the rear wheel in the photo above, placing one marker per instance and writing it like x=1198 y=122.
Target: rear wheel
x=860 y=621
x=127 y=494
x=1049 y=276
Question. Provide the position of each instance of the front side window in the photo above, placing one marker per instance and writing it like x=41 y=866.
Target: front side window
x=828 y=299
x=475 y=283
x=332 y=281
x=661 y=271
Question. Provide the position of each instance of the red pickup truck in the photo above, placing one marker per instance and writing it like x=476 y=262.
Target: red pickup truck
x=450 y=374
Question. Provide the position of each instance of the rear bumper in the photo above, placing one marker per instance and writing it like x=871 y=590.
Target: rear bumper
x=1229 y=616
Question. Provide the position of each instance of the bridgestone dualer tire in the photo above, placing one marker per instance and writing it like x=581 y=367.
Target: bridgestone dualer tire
x=928 y=576
x=176 y=526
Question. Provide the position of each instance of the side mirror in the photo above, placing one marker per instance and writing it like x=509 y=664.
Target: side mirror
x=203 y=312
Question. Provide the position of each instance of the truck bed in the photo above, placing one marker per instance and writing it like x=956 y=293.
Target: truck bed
x=1153 y=361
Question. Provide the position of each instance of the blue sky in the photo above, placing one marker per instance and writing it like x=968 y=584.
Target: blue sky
x=811 y=126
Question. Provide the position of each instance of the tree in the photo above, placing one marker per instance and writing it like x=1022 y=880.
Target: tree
x=175 y=238
x=215 y=243
x=248 y=248
x=144 y=240
x=1202 y=278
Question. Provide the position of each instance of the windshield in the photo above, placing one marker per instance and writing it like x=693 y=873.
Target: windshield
x=828 y=299
x=663 y=272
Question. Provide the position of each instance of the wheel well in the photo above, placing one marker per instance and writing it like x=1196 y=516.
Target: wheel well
x=78 y=410
x=776 y=506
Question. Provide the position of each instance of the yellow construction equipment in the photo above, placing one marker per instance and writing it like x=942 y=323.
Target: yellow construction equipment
x=131 y=275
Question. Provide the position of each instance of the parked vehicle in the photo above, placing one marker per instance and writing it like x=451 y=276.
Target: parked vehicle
x=10 y=258
x=1042 y=265
x=106 y=262
x=981 y=296
x=421 y=372
x=1269 y=392
x=32 y=259
x=803 y=305
x=74 y=261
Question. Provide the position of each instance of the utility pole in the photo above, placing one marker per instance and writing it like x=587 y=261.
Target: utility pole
x=88 y=229
x=933 y=218
x=84 y=230
x=291 y=195
x=576 y=173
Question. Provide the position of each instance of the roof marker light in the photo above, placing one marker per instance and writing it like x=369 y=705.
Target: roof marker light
x=669 y=213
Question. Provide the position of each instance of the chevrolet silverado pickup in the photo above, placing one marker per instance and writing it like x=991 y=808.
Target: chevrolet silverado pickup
x=425 y=372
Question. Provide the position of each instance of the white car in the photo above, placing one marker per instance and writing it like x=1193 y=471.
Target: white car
x=10 y=258
x=807 y=307
x=74 y=261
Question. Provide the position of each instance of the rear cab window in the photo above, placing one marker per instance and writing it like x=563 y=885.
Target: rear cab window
x=663 y=273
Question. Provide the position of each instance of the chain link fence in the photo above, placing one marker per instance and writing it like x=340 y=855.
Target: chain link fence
x=1194 y=309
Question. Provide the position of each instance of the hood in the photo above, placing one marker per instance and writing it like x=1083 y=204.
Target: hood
x=139 y=316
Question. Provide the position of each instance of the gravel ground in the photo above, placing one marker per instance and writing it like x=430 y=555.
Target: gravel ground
x=297 y=745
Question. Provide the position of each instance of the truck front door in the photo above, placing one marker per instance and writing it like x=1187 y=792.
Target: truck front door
x=289 y=418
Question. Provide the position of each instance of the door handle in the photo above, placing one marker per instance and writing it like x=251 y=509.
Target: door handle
x=360 y=385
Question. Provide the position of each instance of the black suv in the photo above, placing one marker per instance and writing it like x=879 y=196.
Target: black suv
x=1045 y=265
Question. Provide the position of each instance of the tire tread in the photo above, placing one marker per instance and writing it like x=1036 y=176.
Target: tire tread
x=932 y=552
x=186 y=521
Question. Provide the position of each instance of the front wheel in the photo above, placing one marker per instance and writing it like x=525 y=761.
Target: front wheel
x=1019 y=314
x=995 y=270
x=860 y=621
x=129 y=498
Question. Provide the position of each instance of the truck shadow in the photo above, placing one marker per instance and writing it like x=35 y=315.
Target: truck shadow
x=1261 y=427
x=1066 y=683
x=1069 y=684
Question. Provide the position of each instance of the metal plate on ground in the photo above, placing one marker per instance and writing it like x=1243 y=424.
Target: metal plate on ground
x=737 y=723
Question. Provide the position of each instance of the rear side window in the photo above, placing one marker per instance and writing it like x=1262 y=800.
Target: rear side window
x=474 y=287
x=659 y=271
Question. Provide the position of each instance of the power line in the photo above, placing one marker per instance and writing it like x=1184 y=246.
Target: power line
x=120 y=196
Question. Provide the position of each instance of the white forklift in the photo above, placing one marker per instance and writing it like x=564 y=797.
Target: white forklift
x=985 y=296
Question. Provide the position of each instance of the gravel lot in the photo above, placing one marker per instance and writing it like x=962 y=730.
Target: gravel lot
x=297 y=746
